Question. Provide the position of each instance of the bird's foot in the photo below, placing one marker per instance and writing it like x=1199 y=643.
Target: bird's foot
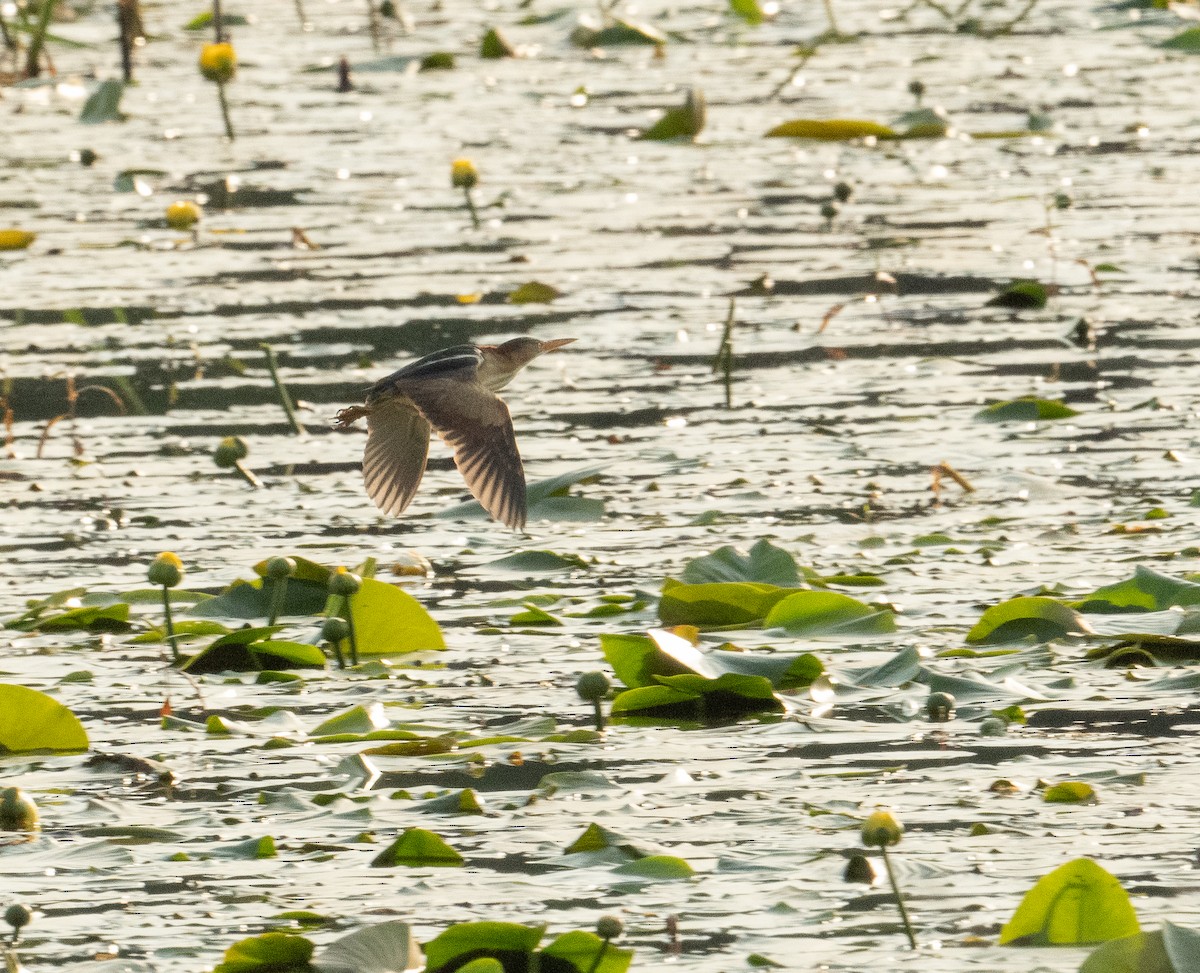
x=349 y=416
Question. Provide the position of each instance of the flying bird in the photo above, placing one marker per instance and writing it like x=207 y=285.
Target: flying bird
x=452 y=391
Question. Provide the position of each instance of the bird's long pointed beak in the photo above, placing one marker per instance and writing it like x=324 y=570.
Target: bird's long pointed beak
x=555 y=343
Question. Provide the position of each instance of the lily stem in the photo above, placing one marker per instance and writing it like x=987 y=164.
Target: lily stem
x=284 y=399
x=912 y=940
x=225 y=111
x=171 y=636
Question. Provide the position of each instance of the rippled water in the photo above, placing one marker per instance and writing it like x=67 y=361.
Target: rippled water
x=827 y=450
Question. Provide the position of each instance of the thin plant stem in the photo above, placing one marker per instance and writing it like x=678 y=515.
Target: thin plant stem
x=225 y=111
x=471 y=205
x=912 y=940
x=833 y=24
x=804 y=59
x=278 y=593
x=301 y=14
x=38 y=39
x=125 y=39
x=374 y=25
x=598 y=714
x=284 y=399
x=9 y=41
x=171 y=636
x=218 y=24
x=337 y=651
x=723 y=363
x=248 y=475
x=349 y=616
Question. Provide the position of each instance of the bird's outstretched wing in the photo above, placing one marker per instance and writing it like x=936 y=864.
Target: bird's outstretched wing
x=477 y=426
x=394 y=459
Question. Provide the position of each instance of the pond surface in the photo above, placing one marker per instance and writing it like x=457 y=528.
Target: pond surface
x=827 y=451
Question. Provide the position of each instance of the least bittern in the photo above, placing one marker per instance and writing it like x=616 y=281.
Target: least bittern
x=452 y=391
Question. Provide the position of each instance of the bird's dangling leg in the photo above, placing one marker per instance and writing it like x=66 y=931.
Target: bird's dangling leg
x=350 y=415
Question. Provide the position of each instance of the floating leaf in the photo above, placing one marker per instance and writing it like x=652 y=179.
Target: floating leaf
x=587 y=953
x=389 y=621
x=657 y=868
x=16 y=239
x=765 y=564
x=1017 y=619
x=686 y=121
x=418 y=848
x=1070 y=792
x=269 y=953
x=749 y=10
x=539 y=562
x=828 y=613
x=496 y=939
x=617 y=33
x=1173 y=950
x=1146 y=591
x=495 y=46
x=719 y=604
x=104 y=104
x=1077 y=903
x=204 y=20
x=831 y=130
x=437 y=61
x=1188 y=40
x=534 y=292
x=596 y=837
x=31 y=720
x=355 y=720
x=1021 y=295
x=922 y=123
x=1026 y=409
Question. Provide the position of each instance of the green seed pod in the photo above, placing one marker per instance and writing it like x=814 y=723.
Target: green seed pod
x=609 y=927
x=335 y=630
x=842 y=192
x=18 y=916
x=17 y=811
x=859 y=869
x=343 y=583
x=917 y=89
x=830 y=209
x=940 y=707
x=592 y=686
x=279 y=568
x=230 y=451
x=165 y=570
x=881 y=829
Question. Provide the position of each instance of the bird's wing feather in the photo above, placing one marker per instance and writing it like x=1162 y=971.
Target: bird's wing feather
x=394 y=459
x=477 y=426
x=460 y=362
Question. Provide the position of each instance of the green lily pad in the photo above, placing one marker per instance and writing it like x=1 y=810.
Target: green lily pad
x=1026 y=409
x=587 y=953
x=534 y=292
x=496 y=939
x=764 y=564
x=389 y=621
x=272 y=952
x=1021 y=295
x=1188 y=40
x=685 y=122
x=828 y=613
x=31 y=721
x=104 y=104
x=718 y=604
x=418 y=848
x=1146 y=591
x=831 y=130
x=1076 y=904
x=750 y=11
x=1017 y=619
x=1171 y=950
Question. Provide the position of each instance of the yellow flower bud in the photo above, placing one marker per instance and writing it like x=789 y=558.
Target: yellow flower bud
x=463 y=174
x=218 y=62
x=881 y=829
x=183 y=215
x=166 y=570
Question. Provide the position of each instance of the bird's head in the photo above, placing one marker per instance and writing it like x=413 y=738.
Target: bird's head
x=519 y=352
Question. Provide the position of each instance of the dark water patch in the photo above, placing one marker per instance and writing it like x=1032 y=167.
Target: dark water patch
x=87 y=316
x=905 y=284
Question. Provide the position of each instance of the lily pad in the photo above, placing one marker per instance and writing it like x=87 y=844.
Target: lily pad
x=685 y=122
x=418 y=848
x=1076 y=904
x=765 y=564
x=717 y=604
x=1026 y=409
x=31 y=720
x=272 y=952
x=1018 y=619
x=828 y=613
x=831 y=130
